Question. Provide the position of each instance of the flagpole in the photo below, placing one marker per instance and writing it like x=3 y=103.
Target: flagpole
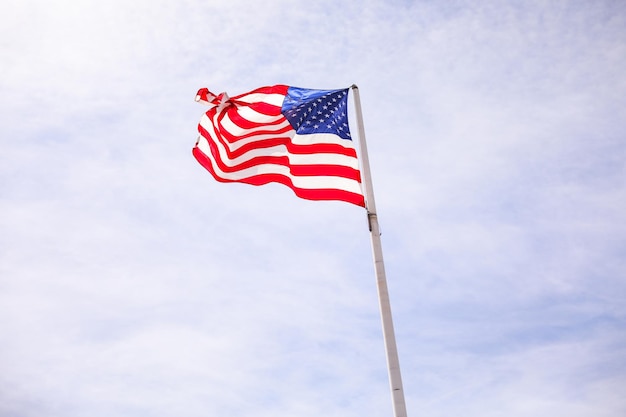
x=393 y=364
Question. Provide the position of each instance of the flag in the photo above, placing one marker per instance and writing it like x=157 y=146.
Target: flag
x=294 y=136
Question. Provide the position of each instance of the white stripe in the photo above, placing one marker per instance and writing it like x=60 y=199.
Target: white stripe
x=256 y=117
x=274 y=99
x=319 y=138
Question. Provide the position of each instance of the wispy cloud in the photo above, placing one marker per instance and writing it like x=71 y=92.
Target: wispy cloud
x=132 y=284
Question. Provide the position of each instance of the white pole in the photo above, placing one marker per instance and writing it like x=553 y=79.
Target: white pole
x=393 y=364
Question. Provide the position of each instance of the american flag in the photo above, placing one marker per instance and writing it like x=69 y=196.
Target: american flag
x=294 y=136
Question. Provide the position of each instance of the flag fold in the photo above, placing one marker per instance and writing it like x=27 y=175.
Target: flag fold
x=294 y=136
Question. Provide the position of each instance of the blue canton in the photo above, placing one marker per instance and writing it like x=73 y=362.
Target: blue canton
x=317 y=111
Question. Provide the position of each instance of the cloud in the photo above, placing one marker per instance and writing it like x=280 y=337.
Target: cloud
x=133 y=284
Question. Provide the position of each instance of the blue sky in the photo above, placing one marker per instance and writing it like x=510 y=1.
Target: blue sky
x=132 y=283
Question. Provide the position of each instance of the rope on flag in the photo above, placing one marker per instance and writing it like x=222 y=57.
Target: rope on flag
x=294 y=136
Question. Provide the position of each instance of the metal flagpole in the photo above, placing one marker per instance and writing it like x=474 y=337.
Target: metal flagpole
x=393 y=364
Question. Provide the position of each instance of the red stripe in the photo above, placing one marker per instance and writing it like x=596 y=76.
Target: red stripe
x=240 y=121
x=330 y=170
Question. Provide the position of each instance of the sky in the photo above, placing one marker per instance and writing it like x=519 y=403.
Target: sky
x=133 y=284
